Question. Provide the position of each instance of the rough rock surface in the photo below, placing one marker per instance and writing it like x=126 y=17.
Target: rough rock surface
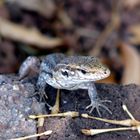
x=15 y=106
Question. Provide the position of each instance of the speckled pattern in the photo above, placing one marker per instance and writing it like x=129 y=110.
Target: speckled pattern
x=15 y=106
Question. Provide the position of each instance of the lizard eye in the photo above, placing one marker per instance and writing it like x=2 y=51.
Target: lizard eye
x=64 y=73
x=83 y=71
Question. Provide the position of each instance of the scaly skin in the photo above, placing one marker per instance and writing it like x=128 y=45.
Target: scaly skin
x=71 y=73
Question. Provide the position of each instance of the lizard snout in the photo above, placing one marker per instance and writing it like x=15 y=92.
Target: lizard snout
x=106 y=72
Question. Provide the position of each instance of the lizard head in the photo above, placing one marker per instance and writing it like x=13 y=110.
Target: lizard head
x=78 y=69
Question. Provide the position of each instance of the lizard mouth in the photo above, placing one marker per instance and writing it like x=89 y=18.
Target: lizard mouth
x=98 y=76
x=95 y=77
x=103 y=75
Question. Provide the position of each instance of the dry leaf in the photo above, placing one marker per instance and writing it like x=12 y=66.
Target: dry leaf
x=27 y=35
x=134 y=30
x=131 y=60
x=44 y=7
x=131 y=3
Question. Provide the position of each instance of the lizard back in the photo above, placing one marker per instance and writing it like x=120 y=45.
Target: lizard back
x=50 y=61
x=88 y=63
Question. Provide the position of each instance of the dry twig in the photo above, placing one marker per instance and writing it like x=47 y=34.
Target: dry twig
x=65 y=114
x=55 y=108
x=133 y=123
x=99 y=131
x=127 y=122
x=35 y=135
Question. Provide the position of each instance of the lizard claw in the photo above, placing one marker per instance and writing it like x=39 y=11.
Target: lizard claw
x=96 y=104
x=41 y=93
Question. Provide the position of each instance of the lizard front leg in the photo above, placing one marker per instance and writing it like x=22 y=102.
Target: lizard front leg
x=41 y=85
x=95 y=101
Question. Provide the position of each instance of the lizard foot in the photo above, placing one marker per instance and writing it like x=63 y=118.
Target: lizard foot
x=98 y=103
x=41 y=93
x=42 y=97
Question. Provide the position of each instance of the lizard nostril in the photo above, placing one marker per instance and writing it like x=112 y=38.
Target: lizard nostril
x=105 y=72
x=83 y=71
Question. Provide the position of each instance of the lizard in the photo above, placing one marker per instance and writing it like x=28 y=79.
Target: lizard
x=70 y=73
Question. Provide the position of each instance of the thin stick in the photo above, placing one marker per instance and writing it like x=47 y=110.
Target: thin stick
x=69 y=113
x=99 y=131
x=32 y=136
x=128 y=112
x=132 y=117
x=55 y=108
x=127 y=122
x=40 y=122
